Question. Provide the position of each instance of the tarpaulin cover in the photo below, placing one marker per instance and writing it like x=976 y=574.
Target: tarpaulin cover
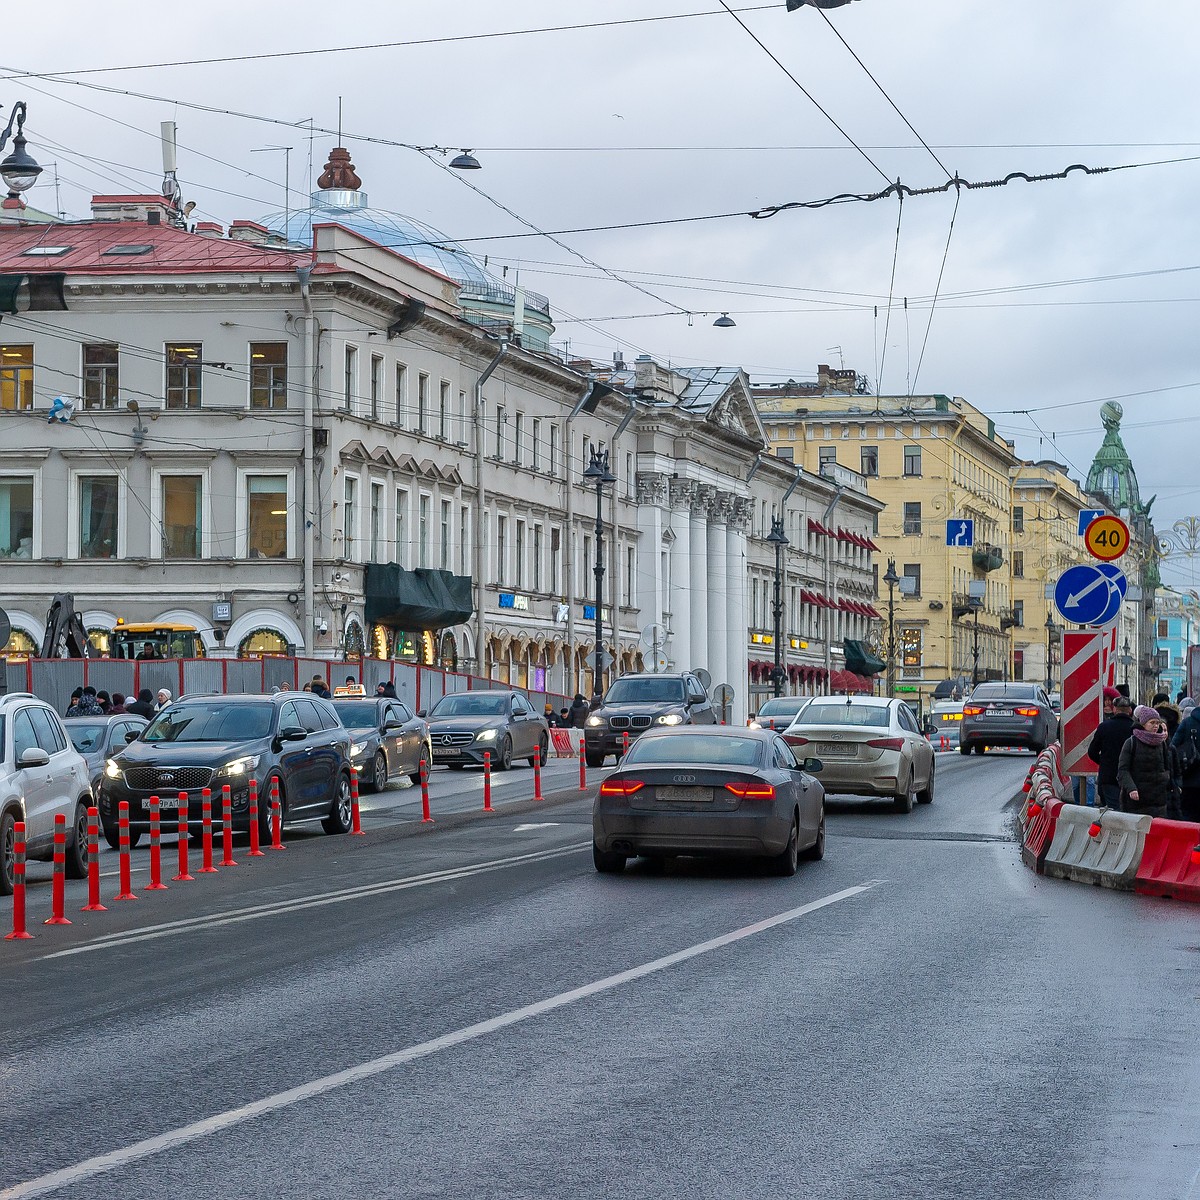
x=419 y=599
x=860 y=660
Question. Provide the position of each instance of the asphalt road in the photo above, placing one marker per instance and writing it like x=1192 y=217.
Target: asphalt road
x=468 y=1009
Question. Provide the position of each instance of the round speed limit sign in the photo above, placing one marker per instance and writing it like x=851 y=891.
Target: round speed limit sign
x=1107 y=538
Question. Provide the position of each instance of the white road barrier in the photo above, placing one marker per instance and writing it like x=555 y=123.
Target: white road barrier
x=1107 y=856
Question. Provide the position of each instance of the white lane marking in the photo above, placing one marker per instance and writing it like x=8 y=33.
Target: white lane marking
x=115 y=1159
x=537 y=825
x=238 y=915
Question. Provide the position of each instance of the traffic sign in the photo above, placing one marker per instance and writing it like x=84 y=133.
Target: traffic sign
x=1086 y=517
x=960 y=533
x=1090 y=594
x=1107 y=538
x=1117 y=576
x=1082 y=680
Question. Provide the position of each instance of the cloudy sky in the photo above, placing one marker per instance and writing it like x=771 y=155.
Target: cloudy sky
x=1054 y=295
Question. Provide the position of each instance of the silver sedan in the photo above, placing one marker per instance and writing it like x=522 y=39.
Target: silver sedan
x=464 y=726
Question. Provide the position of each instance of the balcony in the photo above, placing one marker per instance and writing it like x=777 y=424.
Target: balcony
x=987 y=558
x=843 y=477
x=1009 y=620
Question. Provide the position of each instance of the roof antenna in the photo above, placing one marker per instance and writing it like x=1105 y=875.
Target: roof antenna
x=170 y=184
x=339 y=141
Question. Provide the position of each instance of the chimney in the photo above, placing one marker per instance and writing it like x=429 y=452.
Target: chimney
x=144 y=210
x=210 y=229
x=249 y=231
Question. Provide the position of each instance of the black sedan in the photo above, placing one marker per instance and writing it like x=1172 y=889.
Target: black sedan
x=464 y=726
x=99 y=738
x=387 y=740
x=720 y=791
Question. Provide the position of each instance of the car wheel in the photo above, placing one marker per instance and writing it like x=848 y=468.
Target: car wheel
x=77 y=862
x=379 y=773
x=8 y=853
x=980 y=748
x=340 y=815
x=504 y=756
x=816 y=851
x=905 y=800
x=607 y=863
x=595 y=761
x=964 y=749
x=264 y=809
x=925 y=796
x=542 y=754
x=423 y=761
x=786 y=862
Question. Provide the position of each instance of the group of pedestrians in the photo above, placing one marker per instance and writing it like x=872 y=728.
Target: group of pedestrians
x=90 y=702
x=1148 y=756
x=573 y=717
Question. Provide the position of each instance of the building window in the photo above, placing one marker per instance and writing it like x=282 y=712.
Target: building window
x=535 y=445
x=268 y=375
x=912 y=461
x=787 y=453
x=377 y=549
x=553 y=450
x=911 y=571
x=423 y=531
x=519 y=547
x=501 y=547
x=909 y=639
x=182 y=496
x=1018 y=518
x=16 y=518
x=401 y=527
x=1018 y=564
x=350 y=378
x=376 y=385
x=464 y=540
x=401 y=394
x=422 y=402
x=630 y=571
x=266 y=516
x=869 y=461
x=99 y=516
x=1019 y=613
x=912 y=518
x=1164 y=628
x=16 y=377
x=184 y=371
x=101 y=379
x=1018 y=664
x=501 y=421
x=537 y=558
x=444 y=545
x=518 y=438
x=350 y=518
x=555 y=561
x=826 y=454
x=444 y=412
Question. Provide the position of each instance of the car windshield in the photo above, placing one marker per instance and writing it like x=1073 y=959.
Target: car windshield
x=700 y=748
x=357 y=713
x=645 y=691
x=874 y=716
x=86 y=738
x=1004 y=691
x=472 y=704
x=215 y=722
x=783 y=706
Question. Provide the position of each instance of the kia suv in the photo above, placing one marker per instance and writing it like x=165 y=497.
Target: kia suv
x=635 y=703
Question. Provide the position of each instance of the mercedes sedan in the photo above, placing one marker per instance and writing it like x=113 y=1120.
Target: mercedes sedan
x=464 y=726
x=716 y=791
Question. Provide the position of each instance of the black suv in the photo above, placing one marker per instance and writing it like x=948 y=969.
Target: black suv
x=635 y=703
x=290 y=738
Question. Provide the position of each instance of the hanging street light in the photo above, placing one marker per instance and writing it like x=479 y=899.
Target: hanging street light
x=19 y=170
x=724 y=321
x=464 y=160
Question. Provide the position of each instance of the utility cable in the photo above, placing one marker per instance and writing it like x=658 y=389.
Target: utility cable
x=887 y=322
x=936 y=291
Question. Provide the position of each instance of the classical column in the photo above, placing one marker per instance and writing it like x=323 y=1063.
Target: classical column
x=719 y=625
x=679 y=603
x=739 y=630
x=652 y=497
x=698 y=576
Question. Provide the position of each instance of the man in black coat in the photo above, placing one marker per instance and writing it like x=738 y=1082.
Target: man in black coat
x=1105 y=750
x=143 y=706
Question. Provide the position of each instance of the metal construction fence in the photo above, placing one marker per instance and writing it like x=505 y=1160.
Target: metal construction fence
x=54 y=679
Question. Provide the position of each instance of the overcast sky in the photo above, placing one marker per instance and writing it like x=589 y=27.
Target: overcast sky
x=1055 y=295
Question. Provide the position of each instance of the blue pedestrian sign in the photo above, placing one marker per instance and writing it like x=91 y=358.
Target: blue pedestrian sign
x=960 y=533
x=1086 y=517
x=1090 y=594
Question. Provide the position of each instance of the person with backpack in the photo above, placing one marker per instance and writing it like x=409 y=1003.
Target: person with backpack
x=1186 y=744
x=1148 y=769
x=1106 y=745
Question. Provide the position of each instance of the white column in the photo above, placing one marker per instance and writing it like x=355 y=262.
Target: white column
x=698 y=581
x=718 y=605
x=651 y=585
x=679 y=603
x=739 y=633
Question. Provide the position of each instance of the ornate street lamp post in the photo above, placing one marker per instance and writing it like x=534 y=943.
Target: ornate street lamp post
x=598 y=473
x=778 y=539
x=19 y=171
x=1050 y=630
x=891 y=579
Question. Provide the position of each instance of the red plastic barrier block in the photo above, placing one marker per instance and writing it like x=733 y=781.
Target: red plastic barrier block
x=564 y=747
x=1039 y=833
x=1167 y=868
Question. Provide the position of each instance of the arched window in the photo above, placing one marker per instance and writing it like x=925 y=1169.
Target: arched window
x=354 y=641
x=19 y=645
x=448 y=653
x=260 y=642
x=100 y=641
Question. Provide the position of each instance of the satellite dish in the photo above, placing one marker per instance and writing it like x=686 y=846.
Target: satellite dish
x=704 y=677
x=654 y=635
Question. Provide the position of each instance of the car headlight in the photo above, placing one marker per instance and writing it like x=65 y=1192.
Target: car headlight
x=357 y=748
x=486 y=735
x=669 y=719
x=239 y=767
x=111 y=769
x=595 y=720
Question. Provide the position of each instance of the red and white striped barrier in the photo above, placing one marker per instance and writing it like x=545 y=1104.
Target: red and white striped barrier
x=58 y=900
x=19 y=932
x=93 y=863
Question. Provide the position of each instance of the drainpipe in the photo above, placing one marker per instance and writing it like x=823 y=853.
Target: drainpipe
x=479 y=498
x=310 y=359
x=837 y=495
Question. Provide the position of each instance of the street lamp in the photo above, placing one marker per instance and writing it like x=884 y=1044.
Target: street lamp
x=975 y=649
x=1050 y=630
x=18 y=170
x=1126 y=661
x=598 y=473
x=778 y=539
x=891 y=579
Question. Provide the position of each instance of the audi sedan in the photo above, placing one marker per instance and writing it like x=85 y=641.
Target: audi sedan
x=464 y=726
x=871 y=746
x=712 y=792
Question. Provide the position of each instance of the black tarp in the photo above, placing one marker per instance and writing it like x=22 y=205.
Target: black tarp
x=415 y=600
x=860 y=660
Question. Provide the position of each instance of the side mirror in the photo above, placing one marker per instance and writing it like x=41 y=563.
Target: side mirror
x=814 y=766
x=131 y=736
x=35 y=756
x=422 y=713
x=292 y=733
x=392 y=725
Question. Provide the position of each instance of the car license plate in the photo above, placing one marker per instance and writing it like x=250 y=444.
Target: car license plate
x=836 y=749
x=999 y=712
x=445 y=752
x=166 y=804
x=685 y=795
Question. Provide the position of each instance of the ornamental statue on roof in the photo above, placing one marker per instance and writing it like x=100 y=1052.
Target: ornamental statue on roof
x=1112 y=474
x=339 y=171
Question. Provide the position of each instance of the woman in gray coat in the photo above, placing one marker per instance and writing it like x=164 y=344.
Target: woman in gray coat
x=1148 y=769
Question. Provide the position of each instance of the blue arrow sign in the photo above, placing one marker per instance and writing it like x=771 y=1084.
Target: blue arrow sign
x=960 y=533
x=1090 y=594
x=1086 y=517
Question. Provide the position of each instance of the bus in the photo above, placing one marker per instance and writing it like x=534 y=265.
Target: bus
x=151 y=639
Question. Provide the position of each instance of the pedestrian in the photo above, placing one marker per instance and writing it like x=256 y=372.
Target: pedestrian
x=351 y=681
x=1179 y=699
x=1168 y=711
x=118 y=704
x=164 y=698
x=550 y=715
x=143 y=706
x=389 y=690
x=564 y=717
x=318 y=687
x=379 y=690
x=1186 y=743
x=1148 y=769
x=1105 y=749
x=104 y=700
x=148 y=650
x=73 y=703
x=579 y=711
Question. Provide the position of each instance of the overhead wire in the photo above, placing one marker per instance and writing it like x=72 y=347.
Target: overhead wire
x=937 y=289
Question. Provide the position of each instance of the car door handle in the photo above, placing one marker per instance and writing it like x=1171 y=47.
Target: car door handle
x=308 y=749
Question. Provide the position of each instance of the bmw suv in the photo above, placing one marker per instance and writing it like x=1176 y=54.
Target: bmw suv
x=635 y=703
x=290 y=739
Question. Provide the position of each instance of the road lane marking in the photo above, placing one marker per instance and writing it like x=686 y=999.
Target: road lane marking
x=114 y=1160
x=237 y=916
x=537 y=825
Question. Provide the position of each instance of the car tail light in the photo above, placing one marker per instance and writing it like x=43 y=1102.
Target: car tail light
x=751 y=791
x=621 y=787
x=794 y=739
x=972 y=710
x=1027 y=712
x=886 y=743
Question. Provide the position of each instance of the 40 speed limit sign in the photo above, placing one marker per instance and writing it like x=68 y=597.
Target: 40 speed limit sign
x=1107 y=538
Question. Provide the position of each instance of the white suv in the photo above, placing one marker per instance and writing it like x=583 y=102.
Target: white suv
x=41 y=775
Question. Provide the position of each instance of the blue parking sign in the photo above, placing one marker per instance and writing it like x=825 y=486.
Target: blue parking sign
x=960 y=533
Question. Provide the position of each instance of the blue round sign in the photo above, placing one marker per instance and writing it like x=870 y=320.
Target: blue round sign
x=1090 y=594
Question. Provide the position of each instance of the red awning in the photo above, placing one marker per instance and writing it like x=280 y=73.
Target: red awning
x=871 y=546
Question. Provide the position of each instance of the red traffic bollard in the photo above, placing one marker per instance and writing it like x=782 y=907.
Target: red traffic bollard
x=156 y=884
x=582 y=774
x=19 y=932
x=255 y=850
x=93 y=853
x=126 y=892
x=58 y=901
x=625 y=743
x=355 y=812
x=487 y=781
x=1034 y=810
x=1095 y=829
x=537 y=775
x=184 y=874
x=425 y=817
x=227 y=827
x=276 y=818
x=206 y=845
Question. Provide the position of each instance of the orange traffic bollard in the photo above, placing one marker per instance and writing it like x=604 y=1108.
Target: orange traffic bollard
x=255 y=851
x=19 y=932
x=126 y=892
x=93 y=852
x=58 y=901
x=582 y=774
x=184 y=874
x=537 y=775
x=227 y=859
x=276 y=818
x=425 y=817
x=206 y=844
x=355 y=812
x=487 y=781
x=156 y=884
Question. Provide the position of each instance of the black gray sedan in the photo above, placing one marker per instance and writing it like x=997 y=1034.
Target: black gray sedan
x=1007 y=714
x=387 y=741
x=99 y=738
x=464 y=726
x=710 y=792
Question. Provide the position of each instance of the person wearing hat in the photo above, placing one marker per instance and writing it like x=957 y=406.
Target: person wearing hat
x=143 y=706
x=319 y=688
x=1148 y=767
x=164 y=698
x=1105 y=747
